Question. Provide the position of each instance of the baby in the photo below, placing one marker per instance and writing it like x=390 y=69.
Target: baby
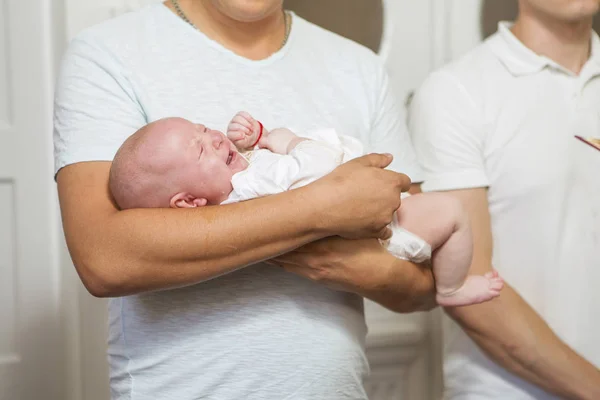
x=175 y=163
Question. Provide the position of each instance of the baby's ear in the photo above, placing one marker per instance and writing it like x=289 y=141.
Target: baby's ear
x=186 y=200
x=200 y=202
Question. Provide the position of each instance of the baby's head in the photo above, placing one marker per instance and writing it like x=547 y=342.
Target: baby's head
x=175 y=163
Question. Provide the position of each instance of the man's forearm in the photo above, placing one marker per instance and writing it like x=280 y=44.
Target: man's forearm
x=125 y=252
x=118 y=253
x=517 y=338
x=406 y=288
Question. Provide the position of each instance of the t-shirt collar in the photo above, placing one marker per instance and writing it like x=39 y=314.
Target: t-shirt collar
x=521 y=60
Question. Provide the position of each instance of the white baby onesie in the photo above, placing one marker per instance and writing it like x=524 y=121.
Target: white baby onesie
x=270 y=173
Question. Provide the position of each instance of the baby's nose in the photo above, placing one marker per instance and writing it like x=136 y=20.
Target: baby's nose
x=217 y=139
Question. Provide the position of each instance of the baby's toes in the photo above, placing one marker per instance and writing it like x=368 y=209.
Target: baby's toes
x=496 y=284
x=492 y=274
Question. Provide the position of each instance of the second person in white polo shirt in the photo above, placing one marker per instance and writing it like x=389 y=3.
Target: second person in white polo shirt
x=496 y=129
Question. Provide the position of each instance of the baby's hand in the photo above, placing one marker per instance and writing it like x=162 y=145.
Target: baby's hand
x=243 y=130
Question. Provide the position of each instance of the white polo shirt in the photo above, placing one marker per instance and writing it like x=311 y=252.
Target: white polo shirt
x=504 y=117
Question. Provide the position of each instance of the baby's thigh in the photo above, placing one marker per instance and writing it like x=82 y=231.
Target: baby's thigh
x=431 y=216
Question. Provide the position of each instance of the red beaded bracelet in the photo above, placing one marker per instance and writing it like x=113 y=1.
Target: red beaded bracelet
x=259 y=135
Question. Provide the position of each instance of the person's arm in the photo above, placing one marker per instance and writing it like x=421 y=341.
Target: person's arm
x=119 y=253
x=509 y=331
x=124 y=252
x=366 y=268
x=407 y=288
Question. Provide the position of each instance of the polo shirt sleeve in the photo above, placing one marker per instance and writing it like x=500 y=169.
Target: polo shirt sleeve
x=95 y=105
x=389 y=133
x=448 y=132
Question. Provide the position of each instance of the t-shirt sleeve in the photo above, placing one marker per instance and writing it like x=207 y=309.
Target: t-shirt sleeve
x=448 y=132
x=95 y=107
x=389 y=133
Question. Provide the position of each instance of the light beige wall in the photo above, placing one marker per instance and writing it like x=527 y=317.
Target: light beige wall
x=359 y=20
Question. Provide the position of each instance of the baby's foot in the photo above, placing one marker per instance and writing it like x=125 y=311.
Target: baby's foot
x=476 y=289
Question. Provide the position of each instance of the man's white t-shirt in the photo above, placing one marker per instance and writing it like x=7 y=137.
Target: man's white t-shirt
x=504 y=118
x=258 y=333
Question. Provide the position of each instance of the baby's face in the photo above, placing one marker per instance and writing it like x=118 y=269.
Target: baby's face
x=210 y=161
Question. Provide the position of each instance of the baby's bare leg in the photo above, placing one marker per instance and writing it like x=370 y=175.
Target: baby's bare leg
x=440 y=220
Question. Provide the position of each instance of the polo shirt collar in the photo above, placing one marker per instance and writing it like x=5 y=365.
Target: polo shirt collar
x=521 y=60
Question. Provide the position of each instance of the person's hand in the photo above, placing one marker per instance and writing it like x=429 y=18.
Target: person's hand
x=366 y=268
x=358 y=199
x=243 y=130
x=342 y=264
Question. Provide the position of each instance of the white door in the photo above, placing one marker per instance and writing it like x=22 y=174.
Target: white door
x=31 y=356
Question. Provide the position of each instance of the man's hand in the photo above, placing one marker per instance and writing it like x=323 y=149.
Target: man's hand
x=357 y=200
x=366 y=268
x=337 y=263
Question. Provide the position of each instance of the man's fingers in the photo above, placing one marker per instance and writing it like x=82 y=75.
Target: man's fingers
x=385 y=234
x=376 y=160
x=405 y=182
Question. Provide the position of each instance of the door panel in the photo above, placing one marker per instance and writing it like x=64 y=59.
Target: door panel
x=8 y=334
x=31 y=364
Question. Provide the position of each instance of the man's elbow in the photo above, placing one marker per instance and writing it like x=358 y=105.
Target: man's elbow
x=420 y=295
x=98 y=289
x=406 y=304
x=100 y=279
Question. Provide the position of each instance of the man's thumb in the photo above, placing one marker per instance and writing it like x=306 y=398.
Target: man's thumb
x=378 y=160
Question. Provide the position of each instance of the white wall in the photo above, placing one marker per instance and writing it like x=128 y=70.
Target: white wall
x=84 y=13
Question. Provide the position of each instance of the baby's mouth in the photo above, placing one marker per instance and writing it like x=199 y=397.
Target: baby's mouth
x=229 y=158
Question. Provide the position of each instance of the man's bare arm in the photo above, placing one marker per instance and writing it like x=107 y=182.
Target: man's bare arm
x=119 y=253
x=511 y=332
x=406 y=288
x=366 y=268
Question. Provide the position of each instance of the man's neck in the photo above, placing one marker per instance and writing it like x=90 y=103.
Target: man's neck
x=254 y=40
x=567 y=43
